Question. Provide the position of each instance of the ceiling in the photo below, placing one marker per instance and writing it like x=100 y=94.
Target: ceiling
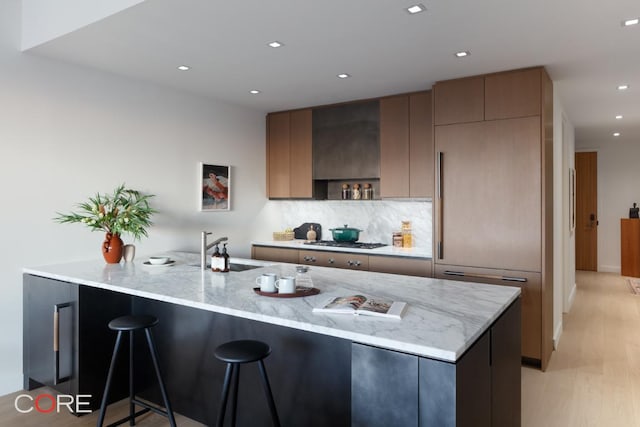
x=386 y=50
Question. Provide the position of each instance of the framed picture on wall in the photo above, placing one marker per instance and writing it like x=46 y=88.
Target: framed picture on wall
x=215 y=188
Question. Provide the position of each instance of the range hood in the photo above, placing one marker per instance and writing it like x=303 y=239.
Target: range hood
x=346 y=141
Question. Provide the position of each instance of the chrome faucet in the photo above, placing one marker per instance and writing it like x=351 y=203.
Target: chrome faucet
x=205 y=247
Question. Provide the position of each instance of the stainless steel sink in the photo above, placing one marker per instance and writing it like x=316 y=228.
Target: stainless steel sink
x=234 y=266
x=242 y=267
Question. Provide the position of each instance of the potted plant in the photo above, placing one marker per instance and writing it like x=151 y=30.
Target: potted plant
x=123 y=211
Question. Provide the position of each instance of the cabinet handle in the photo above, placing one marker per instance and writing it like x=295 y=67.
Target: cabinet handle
x=309 y=258
x=485 y=276
x=332 y=261
x=440 y=196
x=56 y=343
x=354 y=263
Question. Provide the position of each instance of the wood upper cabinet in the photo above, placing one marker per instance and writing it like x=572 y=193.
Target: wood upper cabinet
x=459 y=101
x=289 y=154
x=420 y=145
x=278 y=155
x=512 y=94
x=406 y=146
x=394 y=146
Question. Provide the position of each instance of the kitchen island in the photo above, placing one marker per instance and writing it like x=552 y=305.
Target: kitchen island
x=449 y=360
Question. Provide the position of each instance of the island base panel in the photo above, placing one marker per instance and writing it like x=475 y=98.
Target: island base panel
x=310 y=374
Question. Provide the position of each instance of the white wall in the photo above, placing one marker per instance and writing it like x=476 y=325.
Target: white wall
x=569 y=239
x=618 y=189
x=564 y=239
x=68 y=132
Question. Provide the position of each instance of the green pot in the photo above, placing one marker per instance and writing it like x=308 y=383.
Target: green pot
x=345 y=234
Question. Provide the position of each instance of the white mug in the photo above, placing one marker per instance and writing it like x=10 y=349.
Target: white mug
x=267 y=282
x=286 y=285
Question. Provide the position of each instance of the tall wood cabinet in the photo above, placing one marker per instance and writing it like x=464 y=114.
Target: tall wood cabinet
x=493 y=203
x=406 y=146
x=630 y=247
x=289 y=155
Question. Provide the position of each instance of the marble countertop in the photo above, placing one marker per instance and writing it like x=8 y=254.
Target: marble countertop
x=417 y=252
x=443 y=318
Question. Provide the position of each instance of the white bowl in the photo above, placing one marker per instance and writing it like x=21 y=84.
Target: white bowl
x=158 y=260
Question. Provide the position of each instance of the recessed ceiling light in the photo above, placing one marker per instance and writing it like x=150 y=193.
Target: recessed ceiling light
x=254 y=91
x=623 y=87
x=619 y=117
x=416 y=8
x=616 y=134
x=275 y=43
x=463 y=53
x=183 y=67
x=344 y=75
x=630 y=22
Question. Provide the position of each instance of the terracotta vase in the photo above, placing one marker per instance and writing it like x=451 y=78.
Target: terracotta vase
x=112 y=248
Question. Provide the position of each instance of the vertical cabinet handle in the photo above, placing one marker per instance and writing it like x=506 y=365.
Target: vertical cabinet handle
x=440 y=196
x=56 y=343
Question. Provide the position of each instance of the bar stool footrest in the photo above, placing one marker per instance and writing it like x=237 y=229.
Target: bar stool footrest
x=129 y=417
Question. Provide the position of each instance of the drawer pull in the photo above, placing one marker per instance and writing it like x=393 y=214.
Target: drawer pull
x=354 y=263
x=485 y=276
x=332 y=261
x=56 y=343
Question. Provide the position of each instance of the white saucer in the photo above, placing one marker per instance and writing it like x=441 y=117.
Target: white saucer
x=166 y=264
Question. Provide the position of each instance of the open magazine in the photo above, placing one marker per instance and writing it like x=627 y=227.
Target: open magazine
x=359 y=304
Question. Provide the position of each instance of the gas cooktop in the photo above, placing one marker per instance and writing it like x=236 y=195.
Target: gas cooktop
x=354 y=245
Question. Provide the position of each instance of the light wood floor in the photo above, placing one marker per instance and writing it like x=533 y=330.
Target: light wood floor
x=593 y=378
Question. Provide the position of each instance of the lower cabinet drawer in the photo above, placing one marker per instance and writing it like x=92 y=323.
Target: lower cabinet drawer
x=334 y=259
x=531 y=287
x=274 y=254
x=398 y=265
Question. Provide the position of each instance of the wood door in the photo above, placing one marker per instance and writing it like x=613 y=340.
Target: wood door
x=587 y=211
x=488 y=213
x=278 y=155
x=394 y=146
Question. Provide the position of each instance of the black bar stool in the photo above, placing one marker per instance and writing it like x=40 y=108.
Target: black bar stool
x=236 y=353
x=131 y=324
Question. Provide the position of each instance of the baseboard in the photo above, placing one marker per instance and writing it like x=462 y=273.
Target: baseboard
x=610 y=269
x=556 y=335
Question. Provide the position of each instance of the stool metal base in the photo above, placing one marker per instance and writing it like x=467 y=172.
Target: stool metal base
x=234 y=361
x=168 y=412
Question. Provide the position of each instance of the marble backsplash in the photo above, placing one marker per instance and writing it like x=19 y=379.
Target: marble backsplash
x=377 y=218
